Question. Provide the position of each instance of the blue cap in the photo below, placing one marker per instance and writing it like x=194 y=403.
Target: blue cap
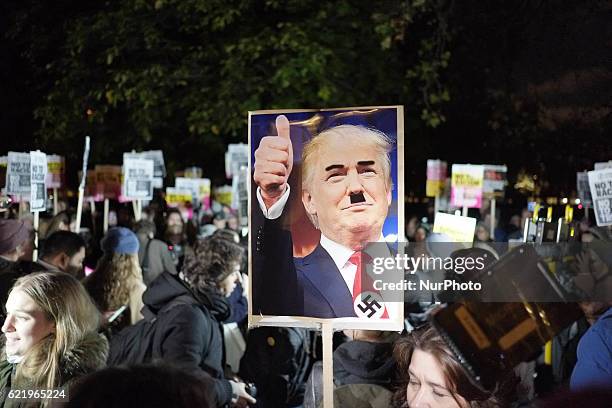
x=120 y=240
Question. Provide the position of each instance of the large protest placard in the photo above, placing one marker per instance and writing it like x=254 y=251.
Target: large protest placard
x=223 y=195
x=137 y=179
x=603 y=165
x=240 y=195
x=466 y=185
x=38 y=174
x=495 y=180
x=199 y=188
x=601 y=191
x=436 y=177
x=236 y=157
x=336 y=181
x=176 y=197
x=583 y=189
x=458 y=228
x=18 y=179
x=56 y=169
x=159 y=166
x=109 y=181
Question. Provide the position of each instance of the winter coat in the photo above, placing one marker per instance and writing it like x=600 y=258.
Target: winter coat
x=155 y=258
x=594 y=366
x=85 y=357
x=363 y=376
x=180 y=328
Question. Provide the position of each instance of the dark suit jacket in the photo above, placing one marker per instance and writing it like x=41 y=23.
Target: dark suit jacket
x=286 y=286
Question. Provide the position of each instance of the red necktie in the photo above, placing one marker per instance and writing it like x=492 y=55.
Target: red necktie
x=363 y=283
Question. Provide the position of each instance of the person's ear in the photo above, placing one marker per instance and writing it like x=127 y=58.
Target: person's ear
x=64 y=261
x=308 y=202
x=389 y=197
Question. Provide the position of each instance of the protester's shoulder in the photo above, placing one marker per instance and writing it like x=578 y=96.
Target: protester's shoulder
x=603 y=326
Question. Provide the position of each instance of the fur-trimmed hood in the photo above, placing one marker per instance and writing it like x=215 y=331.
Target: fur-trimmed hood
x=87 y=356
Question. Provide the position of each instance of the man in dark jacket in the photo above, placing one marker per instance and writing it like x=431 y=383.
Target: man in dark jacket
x=181 y=326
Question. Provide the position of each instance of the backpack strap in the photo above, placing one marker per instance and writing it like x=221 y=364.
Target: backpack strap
x=145 y=258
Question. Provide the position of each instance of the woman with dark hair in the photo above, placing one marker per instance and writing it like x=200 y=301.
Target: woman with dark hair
x=433 y=377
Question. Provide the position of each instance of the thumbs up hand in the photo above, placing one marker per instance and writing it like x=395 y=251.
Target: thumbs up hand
x=274 y=162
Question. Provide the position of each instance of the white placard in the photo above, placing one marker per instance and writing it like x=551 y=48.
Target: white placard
x=138 y=179
x=603 y=165
x=583 y=189
x=600 y=182
x=466 y=185
x=495 y=181
x=38 y=173
x=458 y=228
x=159 y=166
x=236 y=157
x=18 y=178
x=199 y=188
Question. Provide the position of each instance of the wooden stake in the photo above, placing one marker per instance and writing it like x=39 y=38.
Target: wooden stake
x=493 y=219
x=55 y=205
x=105 y=222
x=77 y=227
x=328 y=369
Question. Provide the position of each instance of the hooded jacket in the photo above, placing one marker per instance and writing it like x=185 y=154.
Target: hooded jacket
x=179 y=327
x=87 y=356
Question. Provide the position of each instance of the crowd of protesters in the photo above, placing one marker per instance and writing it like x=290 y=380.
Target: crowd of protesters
x=154 y=313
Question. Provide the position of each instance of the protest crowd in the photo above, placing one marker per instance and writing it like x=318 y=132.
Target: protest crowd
x=147 y=306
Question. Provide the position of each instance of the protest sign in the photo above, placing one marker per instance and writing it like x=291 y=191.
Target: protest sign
x=600 y=182
x=603 y=165
x=236 y=157
x=137 y=179
x=109 y=180
x=199 y=188
x=159 y=166
x=240 y=195
x=176 y=196
x=223 y=195
x=56 y=168
x=18 y=178
x=458 y=228
x=466 y=185
x=38 y=173
x=436 y=177
x=494 y=182
x=192 y=172
x=583 y=189
x=3 y=165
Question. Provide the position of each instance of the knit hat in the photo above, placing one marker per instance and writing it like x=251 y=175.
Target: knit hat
x=120 y=240
x=12 y=234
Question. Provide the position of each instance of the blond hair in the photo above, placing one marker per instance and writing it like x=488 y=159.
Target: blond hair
x=64 y=302
x=380 y=142
x=114 y=279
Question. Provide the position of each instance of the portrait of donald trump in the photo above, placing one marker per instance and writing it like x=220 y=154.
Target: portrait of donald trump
x=322 y=191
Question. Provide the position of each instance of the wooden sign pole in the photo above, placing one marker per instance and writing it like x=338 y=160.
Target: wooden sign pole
x=105 y=222
x=493 y=219
x=328 y=369
x=35 y=225
x=55 y=206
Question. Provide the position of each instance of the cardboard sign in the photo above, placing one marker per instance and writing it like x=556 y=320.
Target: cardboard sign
x=236 y=157
x=192 y=172
x=603 y=165
x=159 y=166
x=176 y=196
x=458 y=228
x=223 y=195
x=240 y=193
x=108 y=179
x=138 y=179
x=494 y=182
x=583 y=189
x=436 y=177
x=18 y=179
x=3 y=165
x=600 y=182
x=38 y=173
x=466 y=185
x=199 y=188
x=56 y=169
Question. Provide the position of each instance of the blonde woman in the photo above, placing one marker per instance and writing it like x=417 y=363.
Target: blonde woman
x=50 y=336
x=117 y=280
